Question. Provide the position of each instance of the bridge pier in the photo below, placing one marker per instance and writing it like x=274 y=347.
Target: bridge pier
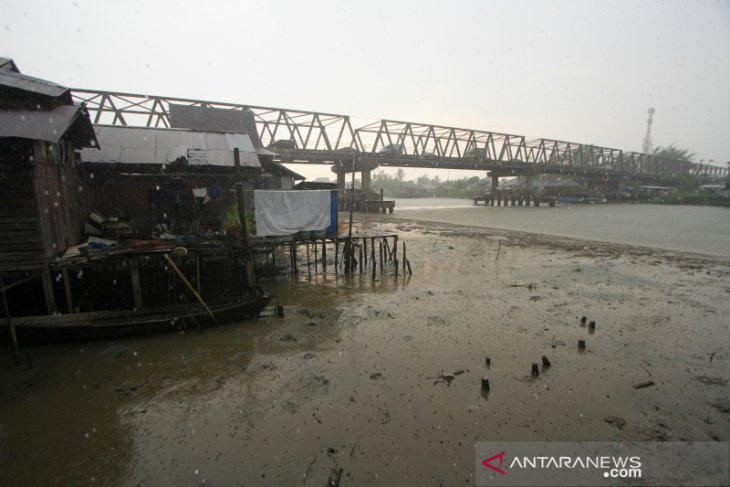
x=365 y=179
x=495 y=185
x=341 y=179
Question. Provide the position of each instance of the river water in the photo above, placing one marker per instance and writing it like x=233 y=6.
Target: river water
x=704 y=230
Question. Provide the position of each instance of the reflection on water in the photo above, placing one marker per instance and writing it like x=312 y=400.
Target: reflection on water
x=697 y=229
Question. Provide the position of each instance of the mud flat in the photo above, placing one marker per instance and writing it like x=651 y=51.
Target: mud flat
x=368 y=382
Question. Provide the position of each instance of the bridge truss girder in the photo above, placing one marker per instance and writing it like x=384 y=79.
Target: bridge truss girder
x=405 y=143
x=315 y=137
x=305 y=131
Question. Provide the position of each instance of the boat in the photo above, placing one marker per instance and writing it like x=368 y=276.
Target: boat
x=136 y=288
x=119 y=323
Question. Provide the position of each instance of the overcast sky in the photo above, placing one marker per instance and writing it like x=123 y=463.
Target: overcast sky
x=581 y=71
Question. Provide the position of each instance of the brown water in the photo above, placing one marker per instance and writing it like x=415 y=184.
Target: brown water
x=349 y=377
x=704 y=230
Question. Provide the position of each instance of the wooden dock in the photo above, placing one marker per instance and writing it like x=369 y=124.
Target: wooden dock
x=377 y=253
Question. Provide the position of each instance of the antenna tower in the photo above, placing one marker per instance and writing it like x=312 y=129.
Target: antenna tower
x=647 y=139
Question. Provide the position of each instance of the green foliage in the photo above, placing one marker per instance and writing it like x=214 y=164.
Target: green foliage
x=693 y=198
x=232 y=223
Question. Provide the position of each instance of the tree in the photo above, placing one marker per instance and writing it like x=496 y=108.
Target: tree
x=400 y=175
x=683 y=180
x=676 y=153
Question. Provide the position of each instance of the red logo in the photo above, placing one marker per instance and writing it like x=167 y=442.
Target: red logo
x=487 y=463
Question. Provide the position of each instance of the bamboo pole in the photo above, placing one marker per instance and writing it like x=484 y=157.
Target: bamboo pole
x=249 y=265
x=190 y=286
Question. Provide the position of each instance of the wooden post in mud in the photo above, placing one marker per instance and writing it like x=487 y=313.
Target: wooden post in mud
x=348 y=260
x=337 y=251
x=395 y=251
x=404 y=258
x=309 y=262
x=365 y=252
x=324 y=254
x=386 y=249
x=293 y=251
x=359 y=264
x=372 y=258
x=380 y=246
x=314 y=245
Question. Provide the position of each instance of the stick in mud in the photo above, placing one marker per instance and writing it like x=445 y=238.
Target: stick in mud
x=359 y=263
x=372 y=258
x=642 y=385
x=381 y=256
x=404 y=258
x=408 y=262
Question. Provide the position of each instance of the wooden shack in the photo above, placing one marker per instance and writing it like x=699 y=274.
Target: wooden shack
x=40 y=133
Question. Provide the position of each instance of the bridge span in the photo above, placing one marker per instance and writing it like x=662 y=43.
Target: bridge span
x=299 y=136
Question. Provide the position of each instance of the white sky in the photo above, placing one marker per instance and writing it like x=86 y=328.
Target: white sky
x=581 y=71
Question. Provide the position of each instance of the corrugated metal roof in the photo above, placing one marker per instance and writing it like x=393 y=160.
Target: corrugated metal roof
x=13 y=80
x=49 y=124
x=137 y=145
x=238 y=121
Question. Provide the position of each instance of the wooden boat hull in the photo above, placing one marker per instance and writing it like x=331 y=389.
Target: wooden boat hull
x=112 y=324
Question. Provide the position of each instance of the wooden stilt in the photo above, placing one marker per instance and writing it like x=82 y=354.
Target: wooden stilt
x=48 y=290
x=337 y=251
x=11 y=325
x=380 y=246
x=198 y=285
x=395 y=252
x=372 y=258
x=359 y=264
x=136 y=283
x=295 y=251
x=324 y=254
x=365 y=252
x=67 y=291
x=404 y=258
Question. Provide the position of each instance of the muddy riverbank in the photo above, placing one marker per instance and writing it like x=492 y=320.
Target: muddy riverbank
x=349 y=384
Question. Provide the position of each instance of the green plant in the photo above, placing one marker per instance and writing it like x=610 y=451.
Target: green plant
x=232 y=223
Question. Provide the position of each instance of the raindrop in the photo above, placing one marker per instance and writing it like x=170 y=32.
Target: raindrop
x=58 y=277
x=91 y=175
x=114 y=281
x=81 y=188
x=80 y=274
x=157 y=187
